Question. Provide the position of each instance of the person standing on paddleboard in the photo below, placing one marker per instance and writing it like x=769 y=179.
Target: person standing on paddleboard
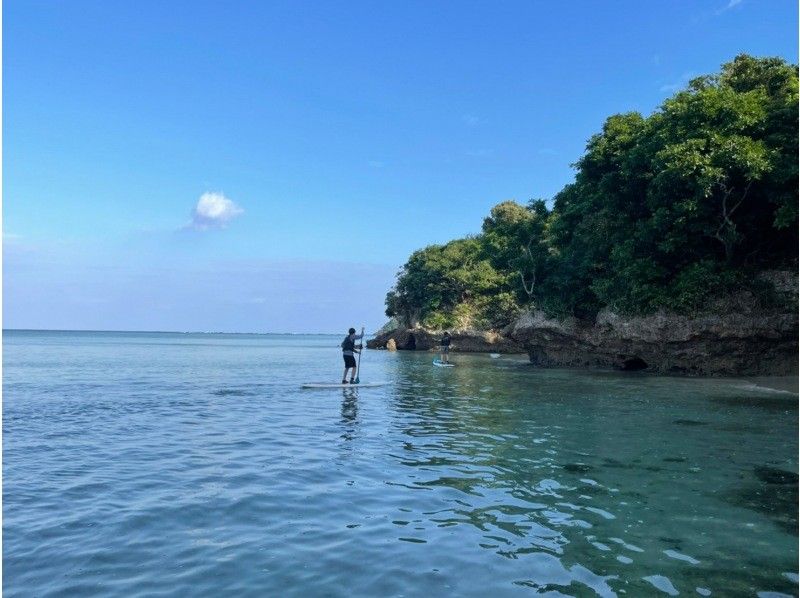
x=349 y=350
x=444 y=348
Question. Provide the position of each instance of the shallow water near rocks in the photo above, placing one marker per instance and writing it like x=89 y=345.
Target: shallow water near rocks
x=194 y=464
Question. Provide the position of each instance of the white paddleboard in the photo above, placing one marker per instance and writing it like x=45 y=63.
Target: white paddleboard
x=340 y=385
x=439 y=364
x=494 y=355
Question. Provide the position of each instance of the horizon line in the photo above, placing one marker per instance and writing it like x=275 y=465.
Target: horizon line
x=167 y=331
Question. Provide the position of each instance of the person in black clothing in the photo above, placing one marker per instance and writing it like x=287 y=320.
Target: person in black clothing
x=444 y=348
x=349 y=349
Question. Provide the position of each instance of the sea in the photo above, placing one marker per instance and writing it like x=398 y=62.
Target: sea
x=169 y=464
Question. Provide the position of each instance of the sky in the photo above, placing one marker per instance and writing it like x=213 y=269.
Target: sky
x=269 y=166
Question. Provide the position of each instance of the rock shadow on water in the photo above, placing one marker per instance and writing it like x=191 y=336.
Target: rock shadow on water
x=578 y=468
x=675 y=543
x=774 y=494
x=615 y=464
x=466 y=485
x=773 y=475
x=779 y=404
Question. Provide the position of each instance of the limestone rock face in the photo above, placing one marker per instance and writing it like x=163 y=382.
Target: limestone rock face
x=732 y=343
x=734 y=336
x=390 y=345
x=464 y=341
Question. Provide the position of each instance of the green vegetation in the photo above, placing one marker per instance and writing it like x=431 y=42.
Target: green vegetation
x=666 y=211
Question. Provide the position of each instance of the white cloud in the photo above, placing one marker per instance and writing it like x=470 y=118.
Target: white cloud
x=213 y=210
x=731 y=4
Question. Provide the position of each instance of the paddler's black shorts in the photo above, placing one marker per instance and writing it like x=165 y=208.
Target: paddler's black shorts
x=349 y=361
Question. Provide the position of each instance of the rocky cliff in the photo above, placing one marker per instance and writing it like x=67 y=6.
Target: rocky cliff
x=736 y=336
x=464 y=341
x=726 y=344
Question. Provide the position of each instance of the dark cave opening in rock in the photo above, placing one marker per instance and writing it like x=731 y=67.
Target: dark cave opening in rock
x=411 y=343
x=634 y=364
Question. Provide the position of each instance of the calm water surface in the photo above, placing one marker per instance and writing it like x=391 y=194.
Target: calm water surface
x=137 y=464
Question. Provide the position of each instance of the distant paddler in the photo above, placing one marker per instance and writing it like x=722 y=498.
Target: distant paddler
x=444 y=348
x=349 y=349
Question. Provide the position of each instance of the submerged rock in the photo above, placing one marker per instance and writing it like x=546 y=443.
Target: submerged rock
x=776 y=496
x=578 y=468
x=773 y=475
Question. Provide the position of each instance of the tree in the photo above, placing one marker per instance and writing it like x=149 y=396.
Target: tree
x=440 y=277
x=514 y=241
x=708 y=183
x=666 y=211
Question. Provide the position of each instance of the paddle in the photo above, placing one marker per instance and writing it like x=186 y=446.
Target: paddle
x=358 y=369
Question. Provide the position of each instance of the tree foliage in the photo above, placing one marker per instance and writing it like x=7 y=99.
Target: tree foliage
x=666 y=211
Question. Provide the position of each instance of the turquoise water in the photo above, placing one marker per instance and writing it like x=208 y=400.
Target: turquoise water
x=140 y=464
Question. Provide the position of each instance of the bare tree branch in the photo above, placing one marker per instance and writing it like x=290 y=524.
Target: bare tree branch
x=728 y=225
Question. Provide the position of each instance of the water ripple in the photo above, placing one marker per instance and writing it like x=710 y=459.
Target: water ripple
x=137 y=466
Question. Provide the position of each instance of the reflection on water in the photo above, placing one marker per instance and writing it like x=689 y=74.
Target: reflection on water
x=349 y=412
x=138 y=465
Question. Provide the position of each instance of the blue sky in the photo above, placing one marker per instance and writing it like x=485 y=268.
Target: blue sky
x=268 y=166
